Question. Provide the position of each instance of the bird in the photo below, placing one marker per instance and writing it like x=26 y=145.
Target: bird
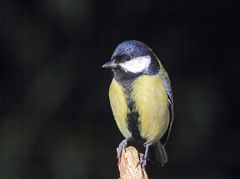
x=141 y=99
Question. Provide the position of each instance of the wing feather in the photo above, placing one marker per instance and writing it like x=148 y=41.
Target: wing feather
x=167 y=85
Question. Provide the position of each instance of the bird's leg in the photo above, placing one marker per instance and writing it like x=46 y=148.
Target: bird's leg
x=143 y=158
x=121 y=146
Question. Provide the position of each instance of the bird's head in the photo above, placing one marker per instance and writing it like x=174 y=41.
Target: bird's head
x=131 y=59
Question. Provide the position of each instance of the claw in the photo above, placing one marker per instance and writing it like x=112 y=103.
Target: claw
x=121 y=146
x=143 y=158
x=140 y=159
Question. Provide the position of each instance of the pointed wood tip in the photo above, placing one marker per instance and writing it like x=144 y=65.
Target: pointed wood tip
x=129 y=165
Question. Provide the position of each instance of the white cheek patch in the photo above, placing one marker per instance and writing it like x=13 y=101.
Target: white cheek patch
x=136 y=65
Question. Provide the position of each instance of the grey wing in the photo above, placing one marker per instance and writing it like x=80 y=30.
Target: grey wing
x=167 y=84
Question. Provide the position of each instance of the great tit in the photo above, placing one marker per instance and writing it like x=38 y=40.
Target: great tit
x=141 y=98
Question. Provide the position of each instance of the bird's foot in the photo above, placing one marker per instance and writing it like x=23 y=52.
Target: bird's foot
x=142 y=160
x=143 y=157
x=121 y=147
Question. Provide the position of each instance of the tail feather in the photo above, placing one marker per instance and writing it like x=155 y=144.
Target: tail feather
x=158 y=154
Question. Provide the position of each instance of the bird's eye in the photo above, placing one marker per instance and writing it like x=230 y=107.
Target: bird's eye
x=121 y=58
x=125 y=58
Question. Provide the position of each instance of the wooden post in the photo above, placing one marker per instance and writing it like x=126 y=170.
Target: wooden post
x=128 y=165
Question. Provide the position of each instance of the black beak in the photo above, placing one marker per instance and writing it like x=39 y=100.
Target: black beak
x=110 y=64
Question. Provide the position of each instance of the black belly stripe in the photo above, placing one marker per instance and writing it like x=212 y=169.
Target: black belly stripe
x=133 y=115
x=133 y=120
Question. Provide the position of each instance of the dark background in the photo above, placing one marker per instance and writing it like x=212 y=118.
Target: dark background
x=55 y=118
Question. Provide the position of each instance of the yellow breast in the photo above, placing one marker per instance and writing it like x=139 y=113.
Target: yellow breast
x=151 y=102
x=119 y=107
x=153 y=107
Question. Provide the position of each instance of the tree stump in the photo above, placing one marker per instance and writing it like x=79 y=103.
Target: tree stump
x=129 y=165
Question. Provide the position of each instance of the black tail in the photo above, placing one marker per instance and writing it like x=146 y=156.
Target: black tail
x=158 y=154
